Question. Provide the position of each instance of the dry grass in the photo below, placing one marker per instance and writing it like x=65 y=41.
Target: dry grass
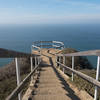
x=8 y=77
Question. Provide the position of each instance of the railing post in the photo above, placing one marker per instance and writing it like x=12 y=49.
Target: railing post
x=97 y=77
x=31 y=67
x=38 y=61
x=35 y=61
x=18 y=76
x=64 y=63
x=56 y=60
x=64 y=60
x=72 y=67
x=60 y=62
x=31 y=63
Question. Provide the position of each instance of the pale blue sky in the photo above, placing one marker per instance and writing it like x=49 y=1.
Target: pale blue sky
x=49 y=11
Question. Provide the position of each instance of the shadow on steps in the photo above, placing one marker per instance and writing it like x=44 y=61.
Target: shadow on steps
x=70 y=93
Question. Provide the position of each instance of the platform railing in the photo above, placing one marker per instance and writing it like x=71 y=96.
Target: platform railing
x=5 y=53
x=48 y=44
x=96 y=81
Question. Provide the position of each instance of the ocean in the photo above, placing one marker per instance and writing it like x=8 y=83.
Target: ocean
x=79 y=36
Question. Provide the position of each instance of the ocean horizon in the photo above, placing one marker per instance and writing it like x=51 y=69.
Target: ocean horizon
x=81 y=37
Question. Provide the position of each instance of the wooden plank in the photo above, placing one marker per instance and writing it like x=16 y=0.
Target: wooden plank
x=5 y=53
x=85 y=77
x=21 y=85
x=84 y=53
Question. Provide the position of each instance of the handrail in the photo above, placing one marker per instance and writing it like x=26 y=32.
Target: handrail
x=83 y=53
x=36 y=42
x=53 y=44
x=84 y=76
x=58 y=42
x=21 y=85
x=5 y=53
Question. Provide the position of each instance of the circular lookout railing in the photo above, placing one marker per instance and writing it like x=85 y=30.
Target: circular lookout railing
x=47 y=44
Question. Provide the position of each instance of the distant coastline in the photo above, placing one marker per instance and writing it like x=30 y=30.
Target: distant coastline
x=82 y=37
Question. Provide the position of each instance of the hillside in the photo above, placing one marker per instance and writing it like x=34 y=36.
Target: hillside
x=8 y=74
x=83 y=65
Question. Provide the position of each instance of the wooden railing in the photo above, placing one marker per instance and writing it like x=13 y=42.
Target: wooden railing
x=5 y=53
x=84 y=76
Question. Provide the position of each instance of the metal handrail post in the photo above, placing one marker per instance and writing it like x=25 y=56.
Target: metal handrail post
x=97 y=77
x=31 y=59
x=72 y=67
x=18 y=76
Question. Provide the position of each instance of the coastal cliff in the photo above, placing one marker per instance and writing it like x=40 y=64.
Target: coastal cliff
x=8 y=74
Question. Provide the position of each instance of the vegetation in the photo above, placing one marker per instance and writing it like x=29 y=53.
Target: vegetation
x=8 y=74
x=8 y=77
x=83 y=65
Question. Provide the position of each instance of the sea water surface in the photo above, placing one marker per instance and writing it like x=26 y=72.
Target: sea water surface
x=79 y=36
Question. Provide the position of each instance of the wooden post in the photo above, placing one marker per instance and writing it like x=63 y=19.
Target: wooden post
x=72 y=67
x=97 y=77
x=18 y=76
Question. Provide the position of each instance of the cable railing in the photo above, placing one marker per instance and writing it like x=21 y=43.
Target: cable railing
x=5 y=53
x=95 y=82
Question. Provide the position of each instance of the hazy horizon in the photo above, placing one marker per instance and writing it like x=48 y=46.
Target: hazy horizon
x=49 y=12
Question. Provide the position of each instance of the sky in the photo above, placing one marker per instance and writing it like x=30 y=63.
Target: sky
x=49 y=11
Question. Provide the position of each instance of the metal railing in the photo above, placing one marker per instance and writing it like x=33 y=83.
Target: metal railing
x=95 y=82
x=47 y=44
x=4 y=53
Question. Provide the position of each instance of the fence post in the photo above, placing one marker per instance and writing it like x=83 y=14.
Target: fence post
x=35 y=61
x=38 y=60
x=97 y=77
x=56 y=60
x=72 y=67
x=31 y=67
x=64 y=63
x=18 y=76
x=64 y=60
x=60 y=62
